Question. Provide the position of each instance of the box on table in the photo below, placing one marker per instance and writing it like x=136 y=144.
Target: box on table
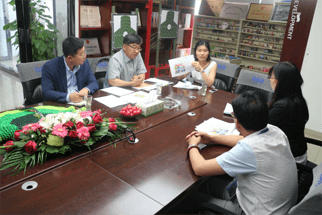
x=151 y=108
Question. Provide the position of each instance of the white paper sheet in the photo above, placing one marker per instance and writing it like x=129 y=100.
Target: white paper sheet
x=111 y=101
x=118 y=91
x=228 y=109
x=188 y=86
x=135 y=97
x=181 y=66
x=156 y=80
x=146 y=88
x=215 y=126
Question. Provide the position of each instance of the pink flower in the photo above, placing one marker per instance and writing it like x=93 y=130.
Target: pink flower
x=86 y=113
x=111 y=120
x=112 y=127
x=98 y=111
x=8 y=143
x=59 y=130
x=83 y=133
x=72 y=134
x=97 y=118
x=68 y=124
x=32 y=126
x=31 y=147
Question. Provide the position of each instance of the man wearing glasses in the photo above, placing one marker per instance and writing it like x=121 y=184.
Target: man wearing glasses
x=126 y=67
x=68 y=78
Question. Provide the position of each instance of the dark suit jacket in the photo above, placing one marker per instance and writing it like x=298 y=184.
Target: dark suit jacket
x=54 y=79
x=290 y=118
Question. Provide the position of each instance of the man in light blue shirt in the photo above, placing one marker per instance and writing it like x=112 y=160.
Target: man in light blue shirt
x=261 y=160
x=126 y=67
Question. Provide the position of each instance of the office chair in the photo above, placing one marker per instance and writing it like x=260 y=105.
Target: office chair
x=99 y=66
x=30 y=77
x=226 y=75
x=254 y=81
x=309 y=191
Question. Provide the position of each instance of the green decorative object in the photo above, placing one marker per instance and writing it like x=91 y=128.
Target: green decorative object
x=125 y=28
x=55 y=141
x=43 y=41
x=10 y=121
x=169 y=28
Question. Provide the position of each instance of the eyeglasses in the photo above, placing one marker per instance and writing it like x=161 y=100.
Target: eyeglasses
x=136 y=49
x=232 y=114
x=270 y=77
x=84 y=53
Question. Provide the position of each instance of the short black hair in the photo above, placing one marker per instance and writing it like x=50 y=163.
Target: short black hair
x=202 y=43
x=132 y=38
x=71 y=45
x=251 y=110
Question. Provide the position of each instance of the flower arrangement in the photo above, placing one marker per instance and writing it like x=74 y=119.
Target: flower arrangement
x=56 y=134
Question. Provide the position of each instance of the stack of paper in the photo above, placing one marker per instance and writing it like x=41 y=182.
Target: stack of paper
x=118 y=91
x=188 y=86
x=156 y=80
x=135 y=97
x=111 y=101
x=215 y=126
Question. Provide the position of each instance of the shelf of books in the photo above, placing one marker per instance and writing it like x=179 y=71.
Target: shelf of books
x=258 y=44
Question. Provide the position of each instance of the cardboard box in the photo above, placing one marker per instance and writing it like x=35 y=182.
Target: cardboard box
x=152 y=108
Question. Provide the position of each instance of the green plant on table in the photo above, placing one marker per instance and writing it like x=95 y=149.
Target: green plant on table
x=43 y=41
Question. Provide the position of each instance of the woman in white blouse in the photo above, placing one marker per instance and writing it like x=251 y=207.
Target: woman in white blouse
x=204 y=68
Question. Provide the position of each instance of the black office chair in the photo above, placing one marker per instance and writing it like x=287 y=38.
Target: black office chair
x=30 y=77
x=226 y=75
x=309 y=191
x=99 y=67
x=254 y=81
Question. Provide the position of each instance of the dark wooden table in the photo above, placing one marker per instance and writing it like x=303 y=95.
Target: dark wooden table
x=142 y=178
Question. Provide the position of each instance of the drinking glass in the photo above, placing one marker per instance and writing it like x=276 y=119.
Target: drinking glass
x=204 y=89
x=88 y=102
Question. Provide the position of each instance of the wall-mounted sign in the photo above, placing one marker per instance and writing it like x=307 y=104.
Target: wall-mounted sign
x=261 y=12
x=235 y=10
x=211 y=7
x=280 y=12
x=169 y=24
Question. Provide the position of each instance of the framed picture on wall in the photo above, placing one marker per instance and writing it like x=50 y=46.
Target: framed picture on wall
x=234 y=10
x=280 y=12
x=169 y=24
x=260 y=12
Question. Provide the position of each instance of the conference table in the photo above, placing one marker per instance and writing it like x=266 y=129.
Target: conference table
x=148 y=177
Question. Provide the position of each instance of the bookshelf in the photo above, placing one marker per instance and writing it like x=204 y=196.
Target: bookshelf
x=257 y=44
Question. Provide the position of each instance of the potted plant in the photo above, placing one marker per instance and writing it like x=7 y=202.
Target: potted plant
x=43 y=41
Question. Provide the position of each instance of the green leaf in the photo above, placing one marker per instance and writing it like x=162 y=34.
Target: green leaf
x=23 y=135
x=51 y=149
x=3 y=152
x=64 y=149
x=90 y=142
x=27 y=159
x=42 y=147
x=20 y=143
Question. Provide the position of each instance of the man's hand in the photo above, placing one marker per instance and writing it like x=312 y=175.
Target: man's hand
x=193 y=140
x=76 y=97
x=84 y=91
x=204 y=137
x=136 y=80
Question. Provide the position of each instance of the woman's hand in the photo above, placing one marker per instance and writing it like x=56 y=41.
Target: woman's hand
x=197 y=66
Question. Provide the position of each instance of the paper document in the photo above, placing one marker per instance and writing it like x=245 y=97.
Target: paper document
x=228 y=109
x=215 y=126
x=78 y=104
x=156 y=80
x=181 y=66
x=118 y=91
x=146 y=87
x=135 y=97
x=111 y=101
x=188 y=86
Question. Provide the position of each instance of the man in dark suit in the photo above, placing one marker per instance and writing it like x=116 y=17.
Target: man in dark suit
x=68 y=78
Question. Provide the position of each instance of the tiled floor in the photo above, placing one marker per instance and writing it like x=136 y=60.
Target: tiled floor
x=11 y=96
